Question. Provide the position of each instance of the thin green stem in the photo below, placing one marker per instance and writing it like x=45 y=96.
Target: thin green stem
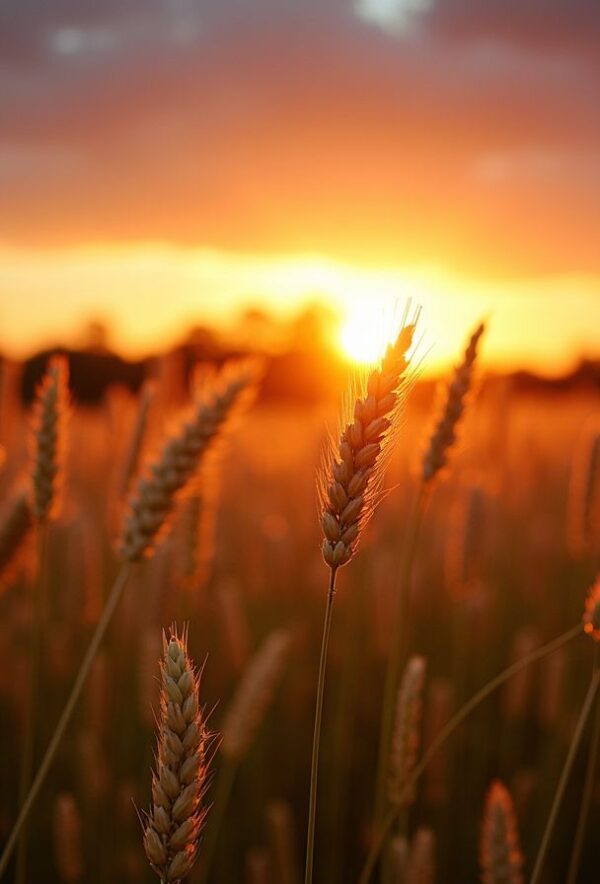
x=223 y=790
x=449 y=728
x=33 y=693
x=399 y=633
x=46 y=763
x=314 y=768
x=588 y=788
x=564 y=777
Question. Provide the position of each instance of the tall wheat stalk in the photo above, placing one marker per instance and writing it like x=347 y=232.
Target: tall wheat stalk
x=48 y=445
x=349 y=487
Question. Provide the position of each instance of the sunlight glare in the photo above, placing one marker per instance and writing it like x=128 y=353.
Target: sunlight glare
x=366 y=331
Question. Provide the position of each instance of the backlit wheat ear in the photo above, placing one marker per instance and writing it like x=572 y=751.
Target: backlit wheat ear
x=15 y=529
x=421 y=864
x=172 y=827
x=49 y=439
x=351 y=478
x=444 y=433
x=501 y=860
x=254 y=694
x=153 y=501
x=67 y=838
x=407 y=731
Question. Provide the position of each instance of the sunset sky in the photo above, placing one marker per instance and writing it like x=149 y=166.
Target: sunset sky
x=172 y=161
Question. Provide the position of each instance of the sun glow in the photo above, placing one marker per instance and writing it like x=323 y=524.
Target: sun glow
x=366 y=331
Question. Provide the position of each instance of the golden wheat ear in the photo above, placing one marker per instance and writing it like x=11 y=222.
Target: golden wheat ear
x=49 y=439
x=153 y=501
x=500 y=855
x=443 y=436
x=172 y=826
x=351 y=475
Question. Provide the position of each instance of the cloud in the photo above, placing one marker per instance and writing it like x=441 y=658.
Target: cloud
x=273 y=125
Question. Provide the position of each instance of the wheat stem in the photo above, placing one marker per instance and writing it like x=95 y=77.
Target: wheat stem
x=449 y=728
x=33 y=694
x=588 y=788
x=102 y=626
x=314 y=767
x=399 y=633
x=564 y=777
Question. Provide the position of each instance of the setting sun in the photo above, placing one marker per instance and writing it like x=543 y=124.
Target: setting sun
x=365 y=332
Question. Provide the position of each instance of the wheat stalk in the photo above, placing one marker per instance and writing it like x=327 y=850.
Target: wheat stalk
x=500 y=854
x=349 y=485
x=443 y=436
x=153 y=501
x=172 y=827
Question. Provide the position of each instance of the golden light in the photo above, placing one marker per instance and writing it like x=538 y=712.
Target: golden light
x=366 y=331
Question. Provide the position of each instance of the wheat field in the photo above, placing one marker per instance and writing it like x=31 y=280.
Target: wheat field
x=206 y=670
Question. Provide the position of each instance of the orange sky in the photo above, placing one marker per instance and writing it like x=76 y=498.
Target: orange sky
x=163 y=161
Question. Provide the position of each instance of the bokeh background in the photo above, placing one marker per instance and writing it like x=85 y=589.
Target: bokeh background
x=181 y=182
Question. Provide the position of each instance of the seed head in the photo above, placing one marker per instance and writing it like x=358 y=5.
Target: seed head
x=49 y=439
x=444 y=433
x=352 y=475
x=501 y=860
x=168 y=474
x=172 y=827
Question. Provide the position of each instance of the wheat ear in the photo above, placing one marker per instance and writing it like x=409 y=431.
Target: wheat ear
x=500 y=854
x=154 y=498
x=50 y=414
x=172 y=827
x=350 y=480
x=406 y=738
x=444 y=433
